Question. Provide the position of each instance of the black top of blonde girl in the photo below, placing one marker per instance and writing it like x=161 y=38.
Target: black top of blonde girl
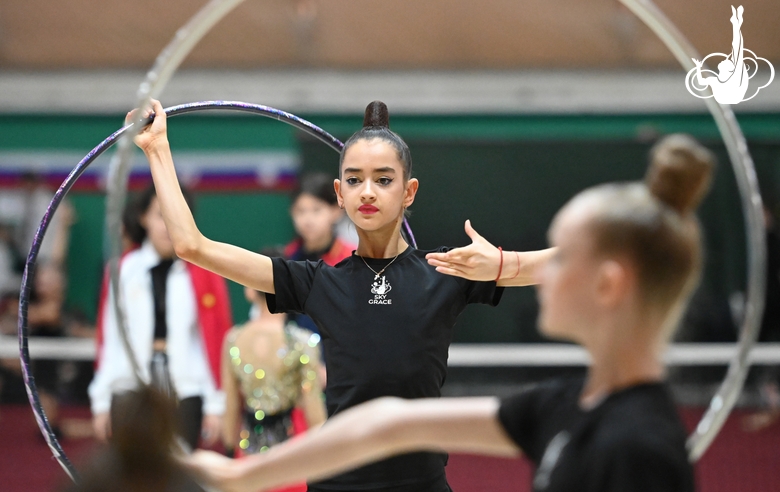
x=376 y=125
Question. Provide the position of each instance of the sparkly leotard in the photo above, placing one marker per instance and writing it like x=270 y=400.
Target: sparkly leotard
x=270 y=398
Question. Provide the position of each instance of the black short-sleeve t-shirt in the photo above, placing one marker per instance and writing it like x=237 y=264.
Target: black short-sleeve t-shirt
x=633 y=440
x=382 y=336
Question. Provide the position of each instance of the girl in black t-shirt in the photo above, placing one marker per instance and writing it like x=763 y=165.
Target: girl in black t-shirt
x=385 y=315
x=626 y=259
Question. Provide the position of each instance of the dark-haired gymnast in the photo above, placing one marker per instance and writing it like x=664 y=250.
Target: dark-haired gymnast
x=627 y=258
x=385 y=315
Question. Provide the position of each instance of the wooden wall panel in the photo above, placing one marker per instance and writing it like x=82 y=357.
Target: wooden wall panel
x=371 y=34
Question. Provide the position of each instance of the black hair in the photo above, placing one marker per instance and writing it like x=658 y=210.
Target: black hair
x=376 y=124
x=138 y=206
x=31 y=177
x=131 y=223
x=318 y=185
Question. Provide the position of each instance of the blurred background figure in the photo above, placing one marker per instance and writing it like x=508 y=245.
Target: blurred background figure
x=176 y=318
x=45 y=318
x=139 y=455
x=317 y=219
x=316 y=215
x=10 y=280
x=23 y=209
x=270 y=375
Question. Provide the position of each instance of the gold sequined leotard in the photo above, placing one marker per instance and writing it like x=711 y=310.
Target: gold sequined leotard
x=270 y=398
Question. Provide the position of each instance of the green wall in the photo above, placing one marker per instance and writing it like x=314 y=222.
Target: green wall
x=508 y=174
x=191 y=131
x=255 y=220
x=511 y=191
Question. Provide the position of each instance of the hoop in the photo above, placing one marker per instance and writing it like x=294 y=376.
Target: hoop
x=747 y=182
x=24 y=299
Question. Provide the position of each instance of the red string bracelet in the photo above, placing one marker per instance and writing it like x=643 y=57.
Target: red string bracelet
x=518 y=265
x=500 y=263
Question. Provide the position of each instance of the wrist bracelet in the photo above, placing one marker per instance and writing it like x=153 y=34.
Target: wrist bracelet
x=500 y=263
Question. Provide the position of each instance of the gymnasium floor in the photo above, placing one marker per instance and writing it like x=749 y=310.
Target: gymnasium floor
x=738 y=461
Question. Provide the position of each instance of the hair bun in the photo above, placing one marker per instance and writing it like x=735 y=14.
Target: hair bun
x=376 y=115
x=680 y=172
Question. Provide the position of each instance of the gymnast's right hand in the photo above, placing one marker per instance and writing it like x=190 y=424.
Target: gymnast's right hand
x=155 y=133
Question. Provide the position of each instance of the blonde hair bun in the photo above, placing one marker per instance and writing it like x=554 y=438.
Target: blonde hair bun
x=680 y=172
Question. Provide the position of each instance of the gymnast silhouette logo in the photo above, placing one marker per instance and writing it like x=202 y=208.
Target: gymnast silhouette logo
x=730 y=84
x=380 y=288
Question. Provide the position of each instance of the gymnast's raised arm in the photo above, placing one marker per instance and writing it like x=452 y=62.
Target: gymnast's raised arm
x=245 y=267
x=363 y=434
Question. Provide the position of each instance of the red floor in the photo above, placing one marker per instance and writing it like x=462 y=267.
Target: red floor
x=26 y=463
x=738 y=461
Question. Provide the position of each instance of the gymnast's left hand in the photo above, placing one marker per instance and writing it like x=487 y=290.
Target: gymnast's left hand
x=154 y=133
x=479 y=261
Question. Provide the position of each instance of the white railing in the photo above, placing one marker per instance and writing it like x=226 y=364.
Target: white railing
x=461 y=354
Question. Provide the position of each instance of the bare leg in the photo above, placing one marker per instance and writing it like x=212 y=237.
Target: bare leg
x=736 y=36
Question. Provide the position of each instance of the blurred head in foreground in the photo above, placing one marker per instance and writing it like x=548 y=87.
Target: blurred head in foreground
x=638 y=244
x=139 y=455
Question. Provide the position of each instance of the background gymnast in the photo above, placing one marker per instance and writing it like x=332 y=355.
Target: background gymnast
x=385 y=315
x=177 y=315
x=316 y=214
x=270 y=376
x=628 y=257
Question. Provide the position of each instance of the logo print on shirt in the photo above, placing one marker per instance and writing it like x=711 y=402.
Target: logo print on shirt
x=550 y=459
x=380 y=287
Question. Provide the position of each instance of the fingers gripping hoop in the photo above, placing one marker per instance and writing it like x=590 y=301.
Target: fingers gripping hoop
x=188 y=36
